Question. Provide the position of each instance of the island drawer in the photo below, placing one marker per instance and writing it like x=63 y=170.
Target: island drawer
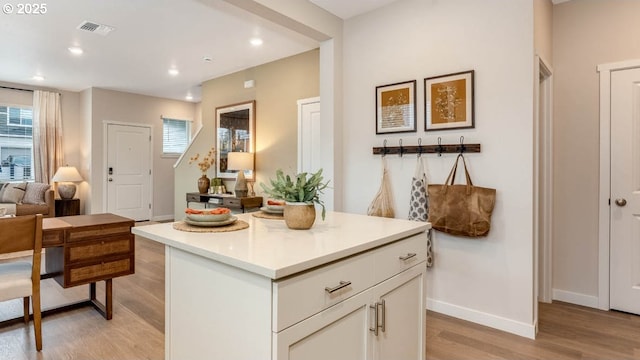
x=301 y=296
x=399 y=256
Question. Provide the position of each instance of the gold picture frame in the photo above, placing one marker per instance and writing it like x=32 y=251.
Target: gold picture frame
x=448 y=101
x=396 y=108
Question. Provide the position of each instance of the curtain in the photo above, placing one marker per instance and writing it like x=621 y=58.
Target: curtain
x=47 y=135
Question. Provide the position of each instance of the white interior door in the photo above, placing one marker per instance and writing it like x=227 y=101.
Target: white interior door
x=625 y=191
x=129 y=171
x=309 y=135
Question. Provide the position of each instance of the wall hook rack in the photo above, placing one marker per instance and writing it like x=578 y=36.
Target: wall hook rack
x=420 y=149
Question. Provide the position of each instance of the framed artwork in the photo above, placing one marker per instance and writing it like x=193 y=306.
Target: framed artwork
x=396 y=108
x=236 y=133
x=448 y=101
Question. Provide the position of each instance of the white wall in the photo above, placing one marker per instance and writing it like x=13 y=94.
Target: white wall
x=585 y=34
x=115 y=106
x=486 y=280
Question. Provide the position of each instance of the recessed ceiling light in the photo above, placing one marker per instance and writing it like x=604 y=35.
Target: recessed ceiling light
x=174 y=72
x=76 y=50
x=207 y=59
x=189 y=97
x=38 y=77
x=256 y=41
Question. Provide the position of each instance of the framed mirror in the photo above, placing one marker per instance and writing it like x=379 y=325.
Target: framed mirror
x=235 y=126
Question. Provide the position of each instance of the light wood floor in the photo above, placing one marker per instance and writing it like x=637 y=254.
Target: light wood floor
x=137 y=328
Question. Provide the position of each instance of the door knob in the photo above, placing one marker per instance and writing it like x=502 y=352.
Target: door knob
x=621 y=202
x=110 y=179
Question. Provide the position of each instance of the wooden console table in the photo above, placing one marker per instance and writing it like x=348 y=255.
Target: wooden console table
x=85 y=249
x=243 y=204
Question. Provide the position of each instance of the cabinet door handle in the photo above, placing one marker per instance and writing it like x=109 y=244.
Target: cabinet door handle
x=375 y=319
x=407 y=257
x=341 y=285
x=384 y=315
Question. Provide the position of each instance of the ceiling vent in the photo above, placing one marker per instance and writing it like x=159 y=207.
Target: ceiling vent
x=95 y=28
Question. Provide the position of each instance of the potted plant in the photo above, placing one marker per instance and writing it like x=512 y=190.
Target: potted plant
x=299 y=195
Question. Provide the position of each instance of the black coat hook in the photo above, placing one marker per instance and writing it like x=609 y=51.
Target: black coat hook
x=419 y=147
x=401 y=148
x=440 y=148
x=462 y=148
x=384 y=150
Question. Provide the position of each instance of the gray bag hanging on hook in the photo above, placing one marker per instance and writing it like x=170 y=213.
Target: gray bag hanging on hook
x=419 y=203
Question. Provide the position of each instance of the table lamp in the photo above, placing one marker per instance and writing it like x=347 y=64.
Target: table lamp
x=66 y=176
x=240 y=161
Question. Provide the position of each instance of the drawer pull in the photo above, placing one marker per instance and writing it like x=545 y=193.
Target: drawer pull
x=337 y=287
x=407 y=257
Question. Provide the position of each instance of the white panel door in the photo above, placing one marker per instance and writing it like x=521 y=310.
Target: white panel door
x=625 y=191
x=309 y=145
x=129 y=171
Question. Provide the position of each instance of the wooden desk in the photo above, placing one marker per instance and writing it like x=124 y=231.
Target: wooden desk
x=85 y=249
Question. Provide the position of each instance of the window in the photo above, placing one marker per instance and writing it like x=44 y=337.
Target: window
x=16 y=143
x=176 y=135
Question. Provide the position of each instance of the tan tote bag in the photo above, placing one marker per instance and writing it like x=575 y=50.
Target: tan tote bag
x=462 y=210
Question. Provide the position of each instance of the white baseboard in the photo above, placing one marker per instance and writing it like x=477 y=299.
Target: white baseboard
x=162 y=218
x=486 y=319
x=575 y=298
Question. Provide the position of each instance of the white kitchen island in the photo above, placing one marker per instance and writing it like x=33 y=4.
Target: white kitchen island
x=352 y=287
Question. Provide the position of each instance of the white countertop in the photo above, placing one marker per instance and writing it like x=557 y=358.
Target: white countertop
x=270 y=249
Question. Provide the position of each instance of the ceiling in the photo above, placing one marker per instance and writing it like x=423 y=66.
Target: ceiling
x=149 y=37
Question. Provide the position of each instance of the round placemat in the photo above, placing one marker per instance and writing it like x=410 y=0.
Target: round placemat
x=183 y=226
x=265 y=215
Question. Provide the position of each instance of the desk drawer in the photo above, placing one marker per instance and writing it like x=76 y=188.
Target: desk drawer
x=232 y=202
x=52 y=238
x=98 y=232
x=83 y=274
x=193 y=198
x=100 y=250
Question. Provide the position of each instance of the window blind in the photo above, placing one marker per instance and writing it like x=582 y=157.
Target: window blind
x=176 y=135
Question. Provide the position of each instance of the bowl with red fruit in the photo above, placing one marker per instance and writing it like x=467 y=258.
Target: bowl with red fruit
x=275 y=205
x=208 y=215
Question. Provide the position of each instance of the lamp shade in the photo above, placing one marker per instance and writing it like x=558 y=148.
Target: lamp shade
x=67 y=174
x=240 y=161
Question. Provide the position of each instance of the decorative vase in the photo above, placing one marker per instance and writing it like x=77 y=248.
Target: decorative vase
x=203 y=184
x=299 y=215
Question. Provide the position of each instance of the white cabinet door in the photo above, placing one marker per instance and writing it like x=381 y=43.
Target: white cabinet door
x=342 y=331
x=337 y=333
x=401 y=316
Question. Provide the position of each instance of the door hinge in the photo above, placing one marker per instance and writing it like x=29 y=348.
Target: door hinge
x=149 y=137
x=609 y=202
x=149 y=205
x=149 y=171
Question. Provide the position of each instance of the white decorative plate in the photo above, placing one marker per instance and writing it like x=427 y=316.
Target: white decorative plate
x=229 y=221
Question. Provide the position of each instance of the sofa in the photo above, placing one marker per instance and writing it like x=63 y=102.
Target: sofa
x=27 y=198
